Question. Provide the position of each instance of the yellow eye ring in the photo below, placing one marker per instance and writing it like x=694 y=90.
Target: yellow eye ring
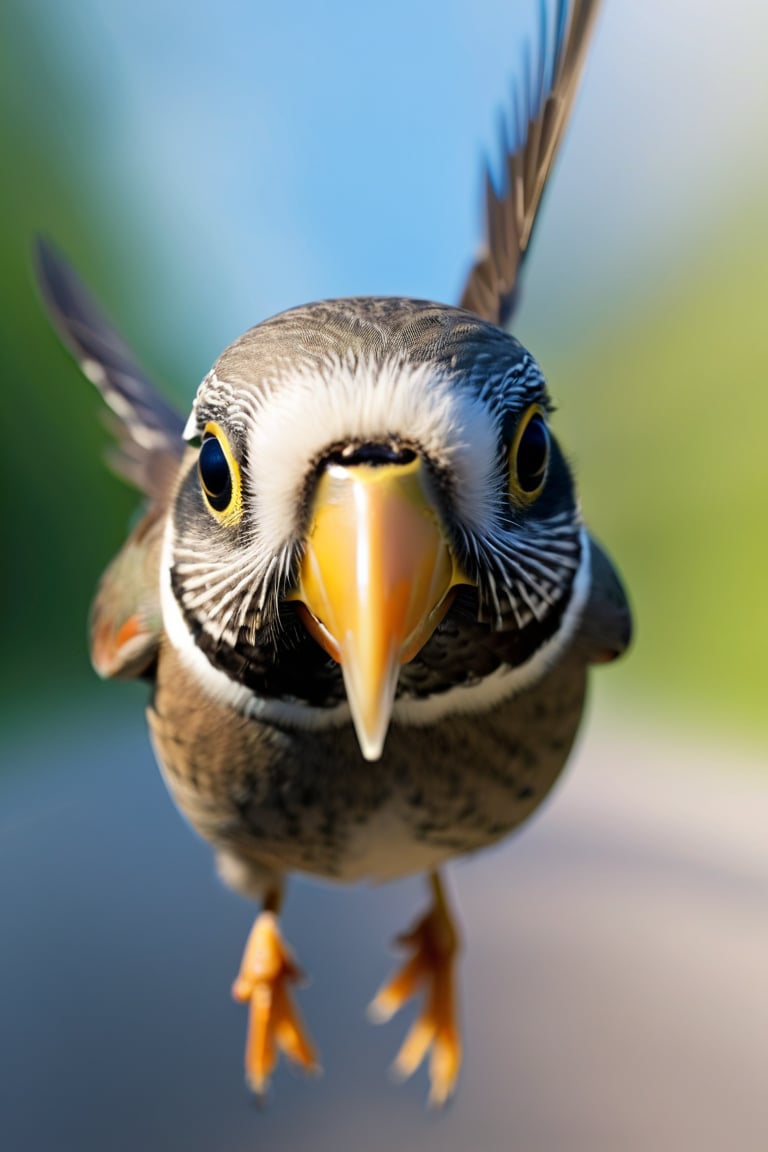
x=220 y=477
x=529 y=456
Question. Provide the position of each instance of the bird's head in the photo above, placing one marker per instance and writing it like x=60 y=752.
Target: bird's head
x=372 y=486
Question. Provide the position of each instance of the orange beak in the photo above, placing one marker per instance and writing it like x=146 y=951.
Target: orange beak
x=376 y=579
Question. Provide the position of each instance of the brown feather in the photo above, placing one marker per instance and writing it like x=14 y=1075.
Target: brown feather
x=492 y=286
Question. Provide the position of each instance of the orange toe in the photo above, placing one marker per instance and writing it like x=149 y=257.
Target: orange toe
x=430 y=969
x=267 y=971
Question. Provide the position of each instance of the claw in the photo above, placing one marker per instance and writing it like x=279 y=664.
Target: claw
x=433 y=942
x=267 y=971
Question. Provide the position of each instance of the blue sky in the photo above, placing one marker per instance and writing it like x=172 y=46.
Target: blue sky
x=257 y=155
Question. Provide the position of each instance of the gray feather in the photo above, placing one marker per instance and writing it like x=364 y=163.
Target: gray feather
x=148 y=428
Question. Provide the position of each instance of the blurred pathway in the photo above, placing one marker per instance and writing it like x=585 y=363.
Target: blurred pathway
x=615 y=978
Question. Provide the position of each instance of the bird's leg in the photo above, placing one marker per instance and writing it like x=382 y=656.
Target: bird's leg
x=267 y=971
x=433 y=943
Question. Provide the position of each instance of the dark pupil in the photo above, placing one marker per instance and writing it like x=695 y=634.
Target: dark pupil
x=532 y=453
x=214 y=473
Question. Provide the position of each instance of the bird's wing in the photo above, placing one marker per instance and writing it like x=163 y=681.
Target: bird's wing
x=539 y=118
x=126 y=618
x=149 y=430
x=605 y=630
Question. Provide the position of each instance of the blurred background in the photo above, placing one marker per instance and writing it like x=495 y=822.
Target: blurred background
x=207 y=166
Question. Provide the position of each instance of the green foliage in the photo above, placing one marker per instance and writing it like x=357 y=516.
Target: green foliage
x=671 y=452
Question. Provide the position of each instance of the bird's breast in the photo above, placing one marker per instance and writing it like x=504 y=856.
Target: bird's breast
x=304 y=800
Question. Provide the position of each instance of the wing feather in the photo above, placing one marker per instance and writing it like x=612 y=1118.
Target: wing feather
x=540 y=114
x=605 y=630
x=148 y=428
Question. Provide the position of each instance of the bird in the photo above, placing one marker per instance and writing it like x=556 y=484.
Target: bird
x=361 y=589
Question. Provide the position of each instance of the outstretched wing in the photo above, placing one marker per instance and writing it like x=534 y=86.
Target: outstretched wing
x=126 y=618
x=539 y=118
x=149 y=430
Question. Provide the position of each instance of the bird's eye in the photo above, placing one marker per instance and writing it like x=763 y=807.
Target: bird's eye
x=220 y=476
x=529 y=456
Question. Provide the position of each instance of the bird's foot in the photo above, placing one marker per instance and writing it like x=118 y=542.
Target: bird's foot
x=433 y=943
x=266 y=973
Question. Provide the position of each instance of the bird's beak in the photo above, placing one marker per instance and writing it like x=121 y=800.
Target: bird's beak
x=376 y=579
